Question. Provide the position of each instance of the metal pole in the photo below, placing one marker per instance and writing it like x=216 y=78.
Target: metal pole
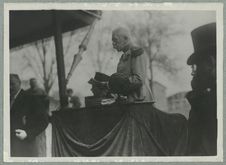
x=57 y=25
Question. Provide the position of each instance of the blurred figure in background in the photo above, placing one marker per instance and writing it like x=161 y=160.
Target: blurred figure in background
x=203 y=98
x=35 y=89
x=73 y=101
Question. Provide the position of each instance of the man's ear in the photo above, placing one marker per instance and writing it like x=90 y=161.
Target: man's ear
x=126 y=40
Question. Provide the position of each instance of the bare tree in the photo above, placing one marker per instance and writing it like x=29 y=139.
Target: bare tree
x=100 y=55
x=157 y=28
x=41 y=59
x=151 y=32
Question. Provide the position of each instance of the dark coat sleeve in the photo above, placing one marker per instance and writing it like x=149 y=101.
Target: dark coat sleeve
x=137 y=76
x=124 y=84
x=118 y=83
x=37 y=117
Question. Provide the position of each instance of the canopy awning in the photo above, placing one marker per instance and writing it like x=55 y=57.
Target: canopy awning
x=31 y=25
x=27 y=26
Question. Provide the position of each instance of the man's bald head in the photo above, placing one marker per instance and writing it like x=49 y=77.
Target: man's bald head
x=121 y=31
x=120 y=38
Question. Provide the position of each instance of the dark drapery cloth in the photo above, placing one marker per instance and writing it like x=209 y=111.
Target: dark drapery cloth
x=118 y=130
x=202 y=123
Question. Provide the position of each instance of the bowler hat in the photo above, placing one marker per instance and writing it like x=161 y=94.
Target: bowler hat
x=99 y=77
x=204 y=42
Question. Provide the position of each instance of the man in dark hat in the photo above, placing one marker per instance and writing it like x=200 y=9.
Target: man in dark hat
x=203 y=99
x=101 y=95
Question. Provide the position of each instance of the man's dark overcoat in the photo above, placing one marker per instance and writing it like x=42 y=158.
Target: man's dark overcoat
x=202 y=123
x=27 y=113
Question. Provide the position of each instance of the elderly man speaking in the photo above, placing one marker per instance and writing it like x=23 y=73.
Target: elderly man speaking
x=130 y=80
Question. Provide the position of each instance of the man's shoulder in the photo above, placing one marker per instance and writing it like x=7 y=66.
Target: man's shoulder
x=75 y=98
x=39 y=91
x=29 y=97
x=24 y=97
x=200 y=96
x=136 y=51
x=23 y=94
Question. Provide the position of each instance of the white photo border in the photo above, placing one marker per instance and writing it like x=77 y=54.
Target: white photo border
x=217 y=7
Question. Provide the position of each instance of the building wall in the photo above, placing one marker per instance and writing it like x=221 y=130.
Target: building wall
x=25 y=84
x=177 y=103
x=159 y=92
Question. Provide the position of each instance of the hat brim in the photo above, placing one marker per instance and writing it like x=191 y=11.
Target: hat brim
x=94 y=82
x=201 y=54
x=195 y=57
x=192 y=59
x=91 y=81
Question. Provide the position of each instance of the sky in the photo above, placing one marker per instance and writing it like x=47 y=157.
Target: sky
x=179 y=47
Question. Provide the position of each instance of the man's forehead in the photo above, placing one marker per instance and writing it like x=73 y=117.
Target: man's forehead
x=121 y=32
x=34 y=82
x=14 y=79
x=115 y=35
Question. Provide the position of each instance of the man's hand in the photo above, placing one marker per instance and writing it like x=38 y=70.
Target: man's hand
x=21 y=134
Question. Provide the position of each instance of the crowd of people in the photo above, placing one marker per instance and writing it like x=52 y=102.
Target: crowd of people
x=128 y=85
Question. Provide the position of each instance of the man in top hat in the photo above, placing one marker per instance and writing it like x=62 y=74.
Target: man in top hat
x=101 y=95
x=130 y=80
x=203 y=99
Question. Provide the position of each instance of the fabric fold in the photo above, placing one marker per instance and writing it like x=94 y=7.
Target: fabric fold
x=118 y=130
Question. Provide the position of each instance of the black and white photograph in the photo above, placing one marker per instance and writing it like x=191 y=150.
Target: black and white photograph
x=113 y=82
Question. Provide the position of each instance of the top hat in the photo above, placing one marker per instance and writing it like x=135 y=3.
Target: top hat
x=99 y=77
x=204 y=42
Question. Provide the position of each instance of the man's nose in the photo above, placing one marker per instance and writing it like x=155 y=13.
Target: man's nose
x=194 y=68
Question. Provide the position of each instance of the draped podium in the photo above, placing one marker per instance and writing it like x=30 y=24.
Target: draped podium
x=136 y=129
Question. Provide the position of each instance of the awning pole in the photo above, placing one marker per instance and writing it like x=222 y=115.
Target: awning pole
x=59 y=58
